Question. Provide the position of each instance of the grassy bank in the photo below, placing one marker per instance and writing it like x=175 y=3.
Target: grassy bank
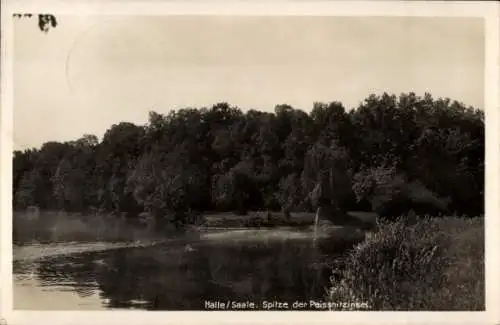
x=434 y=264
x=257 y=219
x=273 y=219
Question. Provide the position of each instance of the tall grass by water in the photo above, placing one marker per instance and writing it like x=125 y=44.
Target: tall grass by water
x=432 y=264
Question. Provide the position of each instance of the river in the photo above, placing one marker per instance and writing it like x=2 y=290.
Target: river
x=191 y=272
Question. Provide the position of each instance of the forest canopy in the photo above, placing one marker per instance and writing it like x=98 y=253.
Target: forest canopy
x=389 y=155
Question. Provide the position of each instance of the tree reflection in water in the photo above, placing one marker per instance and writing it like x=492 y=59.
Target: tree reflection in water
x=170 y=277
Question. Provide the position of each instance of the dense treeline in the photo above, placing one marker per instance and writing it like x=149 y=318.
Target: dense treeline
x=391 y=154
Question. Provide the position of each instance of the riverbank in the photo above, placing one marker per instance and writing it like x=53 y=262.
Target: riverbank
x=433 y=264
x=274 y=219
x=52 y=226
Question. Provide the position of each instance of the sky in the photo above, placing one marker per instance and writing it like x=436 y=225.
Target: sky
x=91 y=72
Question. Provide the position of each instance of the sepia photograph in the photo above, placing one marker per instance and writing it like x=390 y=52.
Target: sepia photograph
x=264 y=162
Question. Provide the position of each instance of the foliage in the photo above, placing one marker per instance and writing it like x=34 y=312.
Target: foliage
x=45 y=21
x=432 y=264
x=391 y=194
x=289 y=194
x=326 y=175
x=165 y=186
x=391 y=153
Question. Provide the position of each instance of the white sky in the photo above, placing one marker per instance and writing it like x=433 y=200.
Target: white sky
x=91 y=72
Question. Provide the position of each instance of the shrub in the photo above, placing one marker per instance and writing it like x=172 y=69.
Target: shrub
x=392 y=194
x=434 y=264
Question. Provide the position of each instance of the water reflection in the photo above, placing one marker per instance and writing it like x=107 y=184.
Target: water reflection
x=180 y=277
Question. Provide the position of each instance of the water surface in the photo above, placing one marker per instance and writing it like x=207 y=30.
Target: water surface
x=182 y=274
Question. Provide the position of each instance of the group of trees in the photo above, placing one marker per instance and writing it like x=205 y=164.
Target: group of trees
x=389 y=155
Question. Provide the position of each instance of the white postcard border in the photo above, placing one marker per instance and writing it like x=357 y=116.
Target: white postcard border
x=488 y=10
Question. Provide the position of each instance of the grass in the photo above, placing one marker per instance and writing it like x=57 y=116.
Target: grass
x=273 y=219
x=257 y=219
x=433 y=264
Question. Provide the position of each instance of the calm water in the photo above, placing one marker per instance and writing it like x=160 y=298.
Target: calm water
x=185 y=274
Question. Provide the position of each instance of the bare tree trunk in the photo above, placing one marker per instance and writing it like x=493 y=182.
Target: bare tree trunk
x=316 y=224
